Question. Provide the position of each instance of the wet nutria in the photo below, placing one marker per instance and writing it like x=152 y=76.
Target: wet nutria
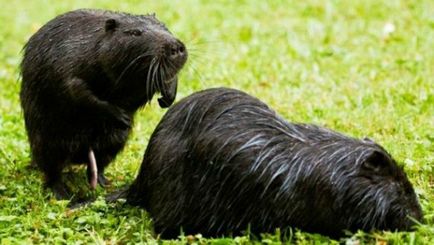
x=221 y=160
x=85 y=73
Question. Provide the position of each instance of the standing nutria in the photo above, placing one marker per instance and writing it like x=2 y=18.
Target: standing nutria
x=221 y=160
x=85 y=73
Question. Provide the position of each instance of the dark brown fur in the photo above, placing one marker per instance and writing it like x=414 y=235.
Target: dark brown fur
x=221 y=160
x=85 y=73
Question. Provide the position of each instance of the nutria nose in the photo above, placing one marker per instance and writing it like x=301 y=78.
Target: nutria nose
x=175 y=50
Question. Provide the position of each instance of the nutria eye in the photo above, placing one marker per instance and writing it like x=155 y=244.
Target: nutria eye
x=376 y=167
x=136 y=33
x=133 y=32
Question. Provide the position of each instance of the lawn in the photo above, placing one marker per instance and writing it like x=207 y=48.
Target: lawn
x=365 y=68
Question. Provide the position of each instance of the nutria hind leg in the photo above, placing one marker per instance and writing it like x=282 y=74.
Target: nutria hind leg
x=61 y=191
x=53 y=179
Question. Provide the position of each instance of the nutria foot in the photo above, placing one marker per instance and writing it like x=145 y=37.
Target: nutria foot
x=61 y=191
x=103 y=181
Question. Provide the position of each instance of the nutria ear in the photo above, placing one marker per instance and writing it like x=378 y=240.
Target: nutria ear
x=111 y=25
x=377 y=161
x=168 y=93
x=366 y=139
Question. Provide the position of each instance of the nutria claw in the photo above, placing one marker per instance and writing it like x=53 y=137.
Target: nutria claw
x=61 y=191
x=103 y=181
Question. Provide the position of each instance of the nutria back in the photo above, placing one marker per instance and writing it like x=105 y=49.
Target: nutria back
x=221 y=161
x=84 y=75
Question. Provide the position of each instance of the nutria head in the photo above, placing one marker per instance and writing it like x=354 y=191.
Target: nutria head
x=141 y=56
x=376 y=193
x=353 y=184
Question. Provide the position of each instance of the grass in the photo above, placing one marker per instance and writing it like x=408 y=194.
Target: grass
x=365 y=68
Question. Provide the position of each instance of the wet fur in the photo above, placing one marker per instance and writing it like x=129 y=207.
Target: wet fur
x=221 y=160
x=84 y=75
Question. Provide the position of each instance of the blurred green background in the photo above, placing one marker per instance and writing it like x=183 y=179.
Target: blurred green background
x=364 y=68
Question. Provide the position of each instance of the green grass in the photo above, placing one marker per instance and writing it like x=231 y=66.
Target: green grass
x=333 y=63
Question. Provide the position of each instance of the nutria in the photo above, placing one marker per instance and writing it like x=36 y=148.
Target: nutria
x=221 y=161
x=84 y=75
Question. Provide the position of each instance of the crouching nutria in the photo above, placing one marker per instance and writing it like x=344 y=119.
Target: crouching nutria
x=221 y=161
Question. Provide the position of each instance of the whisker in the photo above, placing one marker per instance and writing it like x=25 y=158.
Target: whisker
x=202 y=42
x=163 y=72
x=154 y=77
x=196 y=72
x=156 y=81
x=148 y=78
x=130 y=65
